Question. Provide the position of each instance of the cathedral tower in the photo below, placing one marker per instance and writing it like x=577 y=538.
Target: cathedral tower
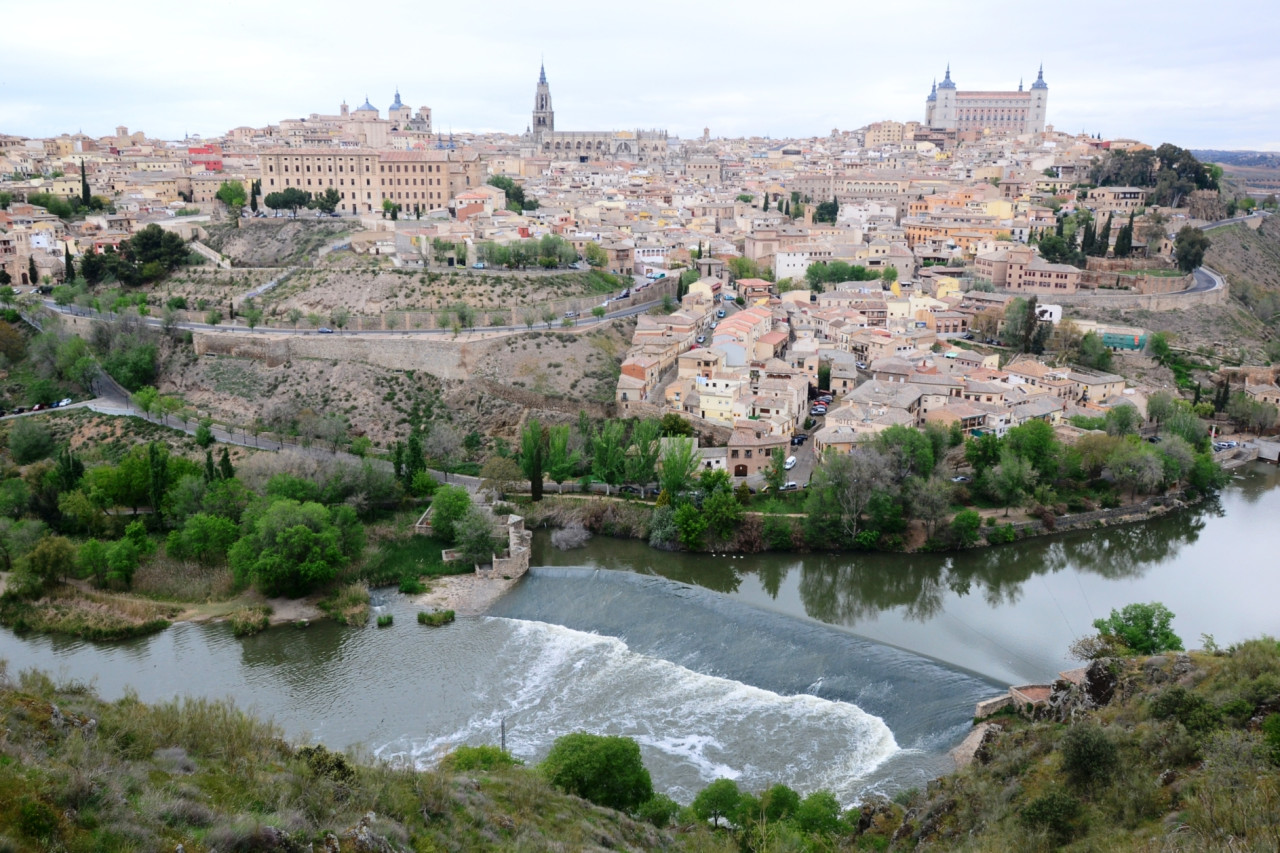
x=544 y=117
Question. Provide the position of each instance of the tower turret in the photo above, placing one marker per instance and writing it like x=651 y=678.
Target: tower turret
x=544 y=117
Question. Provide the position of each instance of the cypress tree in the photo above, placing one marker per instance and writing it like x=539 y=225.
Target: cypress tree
x=84 y=186
x=33 y=277
x=210 y=472
x=787 y=212
x=766 y=202
x=225 y=469
x=1103 y=240
x=69 y=265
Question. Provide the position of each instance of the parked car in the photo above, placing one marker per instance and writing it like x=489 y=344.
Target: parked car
x=720 y=313
x=20 y=410
x=479 y=265
x=65 y=401
x=790 y=486
x=325 y=330
x=861 y=365
x=799 y=439
x=702 y=339
x=790 y=463
x=825 y=398
x=37 y=407
x=960 y=479
x=569 y=315
x=625 y=294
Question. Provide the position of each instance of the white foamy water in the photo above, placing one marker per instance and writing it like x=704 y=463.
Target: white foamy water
x=692 y=728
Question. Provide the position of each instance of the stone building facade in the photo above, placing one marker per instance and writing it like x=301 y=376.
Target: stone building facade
x=638 y=146
x=1007 y=113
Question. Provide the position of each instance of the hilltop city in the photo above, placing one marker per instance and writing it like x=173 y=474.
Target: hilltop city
x=876 y=254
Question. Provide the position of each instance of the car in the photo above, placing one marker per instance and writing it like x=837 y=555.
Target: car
x=38 y=406
x=20 y=410
x=789 y=486
x=799 y=439
x=720 y=313
x=714 y=324
x=961 y=478
x=65 y=401
x=1154 y=439
x=702 y=339
x=1231 y=443
x=325 y=330
x=968 y=336
x=790 y=463
x=826 y=398
x=625 y=294
x=817 y=413
x=479 y=265
x=569 y=315
x=632 y=490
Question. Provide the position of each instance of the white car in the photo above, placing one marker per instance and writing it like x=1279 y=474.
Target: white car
x=66 y=401
x=790 y=463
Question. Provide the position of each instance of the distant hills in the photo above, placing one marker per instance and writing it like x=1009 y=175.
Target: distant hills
x=1256 y=159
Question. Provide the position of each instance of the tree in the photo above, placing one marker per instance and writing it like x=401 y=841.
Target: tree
x=501 y=475
x=29 y=441
x=1122 y=419
x=1035 y=442
x=691 y=525
x=723 y=513
x=1136 y=466
x=442 y=444
x=290 y=547
x=327 y=201
x=1010 y=480
x=775 y=473
x=929 y=500
x=890 y=274
x=608 y=453
x=474 y=537
x=290 y=198
x=85 y=196
x=678 y=465
x=561 y=461
x=674 y=425
x=232 y=194
x=596 y=256
x=448 y=505
x=607 y=770
x=642 y=452
x=1189 y=248
x=1143 y=628
x=53 y=558
x=203 y=537
x=843 y=485
x=1093 y=353
x=717 y=800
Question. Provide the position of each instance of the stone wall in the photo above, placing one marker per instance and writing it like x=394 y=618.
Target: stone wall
x=1137 y=284
x=1149 y=301
x=275 y=352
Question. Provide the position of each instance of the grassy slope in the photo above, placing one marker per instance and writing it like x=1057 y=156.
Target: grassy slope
x=84 y=775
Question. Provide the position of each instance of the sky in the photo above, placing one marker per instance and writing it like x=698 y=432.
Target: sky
x=1200 y=75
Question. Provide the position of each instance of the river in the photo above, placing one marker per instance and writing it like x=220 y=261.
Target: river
x=849 y=672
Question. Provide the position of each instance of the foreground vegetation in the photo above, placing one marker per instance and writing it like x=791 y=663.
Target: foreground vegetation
x=1169 y=752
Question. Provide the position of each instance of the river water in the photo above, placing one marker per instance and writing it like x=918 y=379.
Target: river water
x=848 y=672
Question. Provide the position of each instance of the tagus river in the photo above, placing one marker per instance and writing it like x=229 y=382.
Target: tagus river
x=850 y=672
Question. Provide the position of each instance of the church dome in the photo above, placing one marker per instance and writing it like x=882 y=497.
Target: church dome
x=366 y=106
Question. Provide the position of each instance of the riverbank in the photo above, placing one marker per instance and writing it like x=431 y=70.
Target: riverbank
x=758 y=532
x=465 y=595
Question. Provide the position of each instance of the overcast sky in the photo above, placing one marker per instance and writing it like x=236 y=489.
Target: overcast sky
x=1201 y=75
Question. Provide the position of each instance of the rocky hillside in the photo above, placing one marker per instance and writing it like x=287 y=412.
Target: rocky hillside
x=1250 y=261
x=274 y=242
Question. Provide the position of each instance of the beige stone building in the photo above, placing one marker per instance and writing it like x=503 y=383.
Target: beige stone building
x=363 y=177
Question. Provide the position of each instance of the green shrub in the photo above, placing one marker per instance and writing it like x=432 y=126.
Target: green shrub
x=658 y=810
x=965 y=527
x=385 y=620
x=1002 y=535
x=436 y=618
x=332 y=765
x=249 y=620
x=410 y=585
x=29 y=441
x=1191 y=709
x=1056 y=812
x=465 y=759
x=604 y=769
x=1271 y=734
x=1089 y=756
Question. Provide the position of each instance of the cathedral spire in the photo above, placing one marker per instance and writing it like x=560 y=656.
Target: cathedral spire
x=542 y=72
